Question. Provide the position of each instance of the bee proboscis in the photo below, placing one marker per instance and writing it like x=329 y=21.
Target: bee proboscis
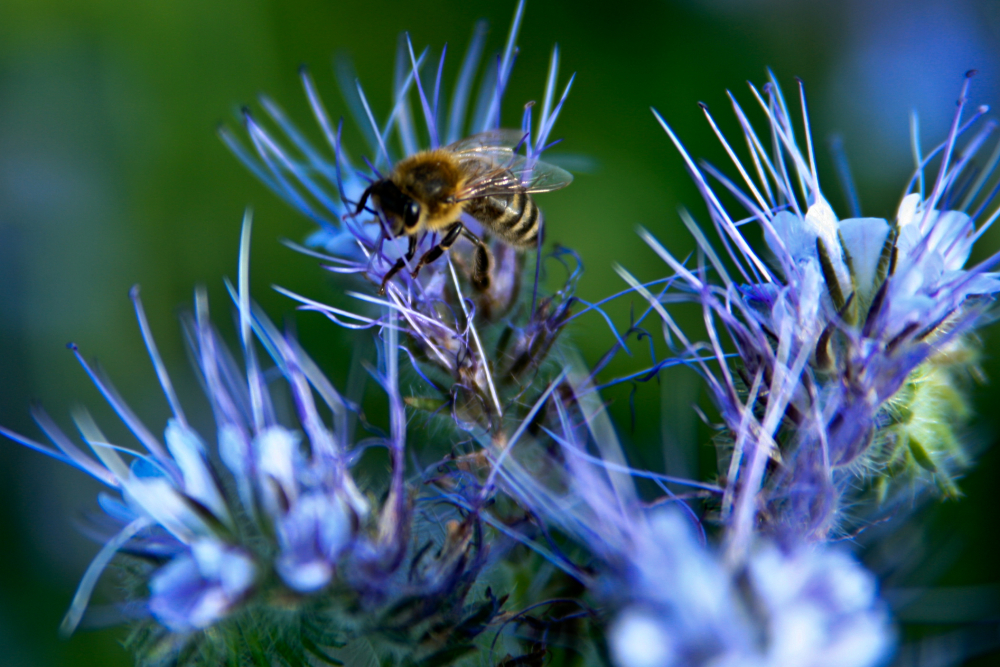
x=481 y=176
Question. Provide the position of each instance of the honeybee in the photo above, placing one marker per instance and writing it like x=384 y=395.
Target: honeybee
x=480 y=175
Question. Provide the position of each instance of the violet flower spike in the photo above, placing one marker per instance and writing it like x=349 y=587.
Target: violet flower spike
x=293 y=507
x=445 y=320
x=852 y=340
x=675 y=599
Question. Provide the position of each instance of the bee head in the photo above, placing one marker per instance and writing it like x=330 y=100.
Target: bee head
x=398 y=207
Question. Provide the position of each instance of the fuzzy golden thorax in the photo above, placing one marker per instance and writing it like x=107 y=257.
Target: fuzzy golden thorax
x=432 y=179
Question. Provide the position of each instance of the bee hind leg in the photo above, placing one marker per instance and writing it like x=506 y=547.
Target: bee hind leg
x=400 y=263
x=481 y=262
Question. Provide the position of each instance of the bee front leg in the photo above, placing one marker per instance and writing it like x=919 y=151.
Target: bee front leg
x=400 y=263
x=364 y=198
x=450 y=237
x=481 y=266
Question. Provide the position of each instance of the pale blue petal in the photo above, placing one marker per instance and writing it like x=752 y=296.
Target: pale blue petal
x=864 y=241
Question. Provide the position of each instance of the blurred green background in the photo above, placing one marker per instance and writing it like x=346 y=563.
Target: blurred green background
x=110 y=175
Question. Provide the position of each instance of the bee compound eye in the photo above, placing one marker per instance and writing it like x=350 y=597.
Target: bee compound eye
x=412 y=214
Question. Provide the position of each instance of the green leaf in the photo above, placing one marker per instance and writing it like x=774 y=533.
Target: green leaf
x=317 y=651
x=447 y=656
x=358 y=653
x=291 y=656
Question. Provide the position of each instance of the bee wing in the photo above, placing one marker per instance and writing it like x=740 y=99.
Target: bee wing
x=487 y=144
x=515 y=174
x=495 y=169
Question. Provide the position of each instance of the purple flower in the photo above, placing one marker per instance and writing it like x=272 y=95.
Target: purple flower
x=848 y=344
x=442 y=316
x=312 y=535
x=293 y=505
x=809 y=607
x=677 y=597
x=200 y=586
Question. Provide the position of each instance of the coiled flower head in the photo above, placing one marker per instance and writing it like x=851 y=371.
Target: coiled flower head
x=477 y=349
x=850 y=343
x=265 y=543
x=671 y=596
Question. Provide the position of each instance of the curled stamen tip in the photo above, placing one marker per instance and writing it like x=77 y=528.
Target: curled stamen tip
x=245 y=110
x=303 y=69
x=984 y=108
x=529 y=104
x=800 y=81
x=72 y=346
x=704 y=107
x=133 y=292
x=971 y=73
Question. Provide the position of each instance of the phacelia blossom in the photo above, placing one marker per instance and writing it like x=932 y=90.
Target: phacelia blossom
x=674 y=597
x=850 y=340
x=811 y=607
x=475 y=348
x=200 y=586
x=840 y=388
x=270 y=521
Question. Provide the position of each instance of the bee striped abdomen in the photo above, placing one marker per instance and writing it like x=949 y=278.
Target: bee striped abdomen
x=514 y=218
